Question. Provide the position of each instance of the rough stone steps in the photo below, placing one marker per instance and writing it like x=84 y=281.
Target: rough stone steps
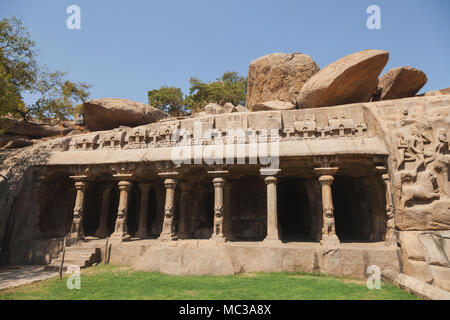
x=80 y=254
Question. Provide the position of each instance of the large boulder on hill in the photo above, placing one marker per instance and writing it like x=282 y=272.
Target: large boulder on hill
x=34 y=129
x=110 y=113
x=401 y=82
x=353 y=78
x=273 y=105
x=278 y=77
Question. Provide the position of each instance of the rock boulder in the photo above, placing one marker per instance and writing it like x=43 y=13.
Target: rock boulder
x=110 y=113
x=351 y=79
x=401 y=82
x=278 y=76
x=33 y=129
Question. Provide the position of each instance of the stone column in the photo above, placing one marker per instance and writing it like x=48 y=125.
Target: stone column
x=227 y=212
x=142 y=231
x=168 y=229
x=102 y=230
x=272 y=214
x=121 y=229
x=183 y=227
x=390 y=238
x=326 y=178
x=218 y=233
x=76 y=230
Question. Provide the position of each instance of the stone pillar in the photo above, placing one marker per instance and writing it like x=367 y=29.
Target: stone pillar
x=76 y=230
x=218 y=233
x=102 y=230
x=121 y=229
x=390 y=238
x=272 y=214
x=183 y=227
x=326 y=178
x=142 y=231
x=168 y=229
x=227 y=211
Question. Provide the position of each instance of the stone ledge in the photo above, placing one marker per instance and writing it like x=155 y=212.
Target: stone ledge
x=202 y=257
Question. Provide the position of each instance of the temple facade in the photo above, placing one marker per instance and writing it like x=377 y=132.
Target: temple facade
x=331 y=190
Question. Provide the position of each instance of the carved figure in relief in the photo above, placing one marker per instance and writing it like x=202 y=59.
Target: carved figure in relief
x=442 y=145
x=218 y=222
x=328 y=223
x=403 y=151
x=423 y=189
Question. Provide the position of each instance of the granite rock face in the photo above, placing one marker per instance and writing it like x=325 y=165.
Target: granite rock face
x=278 y=77
x=353 y=78
x=110 y=113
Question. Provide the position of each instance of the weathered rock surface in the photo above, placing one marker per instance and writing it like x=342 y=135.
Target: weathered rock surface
x=18 y=143
x=207 y=257
x=34 y=130
x=110 y=113
x=273 y=105
x=6 y=138
x=439 y=92
x=401 y=82
x=350 y=79
x=278 y=76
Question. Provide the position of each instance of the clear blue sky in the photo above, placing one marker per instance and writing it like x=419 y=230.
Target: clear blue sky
x=125 y=48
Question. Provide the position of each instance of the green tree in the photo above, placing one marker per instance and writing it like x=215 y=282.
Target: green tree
x=20 y=73
x=229 y=88
x=168 y=99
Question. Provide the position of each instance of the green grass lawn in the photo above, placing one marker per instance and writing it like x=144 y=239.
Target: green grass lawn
x=114 y=282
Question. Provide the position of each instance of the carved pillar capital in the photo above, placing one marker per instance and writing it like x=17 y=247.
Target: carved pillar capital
x=125 y=185
x=219 y=182
x=326 y=171
x=81 y=185
x=270 y=180
x=170 y=183
x=326 y=180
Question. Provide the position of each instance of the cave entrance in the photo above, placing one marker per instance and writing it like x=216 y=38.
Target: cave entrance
x=358 y=209
x=294 y=214
x=93 y=206
x=201 y=211
x=248 y=209
x=56 y=207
